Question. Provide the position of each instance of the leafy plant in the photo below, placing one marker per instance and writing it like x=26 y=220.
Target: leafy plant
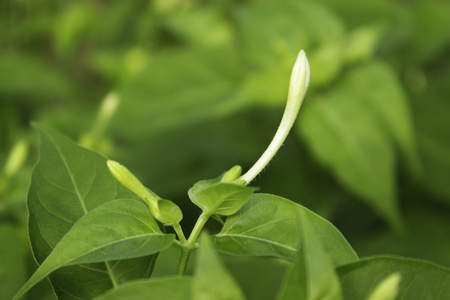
x=96 y=232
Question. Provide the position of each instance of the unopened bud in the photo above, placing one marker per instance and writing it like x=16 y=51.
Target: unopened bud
x=232 y=174
x=128 y=180
x=297 y=89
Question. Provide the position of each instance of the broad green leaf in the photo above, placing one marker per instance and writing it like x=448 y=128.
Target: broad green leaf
x=220 y=198
x=178 y=288
x=347 y=138
x=267 y=226
x=68 y=182
x=378 y=87
x=419 y=279
x=211 y=279
x=116 y=230
x=312 y=276
x=12 y=262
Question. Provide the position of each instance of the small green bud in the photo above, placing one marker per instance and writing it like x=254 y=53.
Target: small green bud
x=232 y=174
x=128 y=180
x=387 y=289
x=16 y=158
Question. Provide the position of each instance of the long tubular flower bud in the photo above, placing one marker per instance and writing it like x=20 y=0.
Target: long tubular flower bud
x=297 y=89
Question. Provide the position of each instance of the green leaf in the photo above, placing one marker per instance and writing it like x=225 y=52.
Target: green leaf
x=219 y=198
x=378 y=87
x=348 y=139
x=267 y=226
x=211 y=279
x=313 y=275
x=68 y=182
x=116 y=230
x=419 y=279
x=178 y=288
x=12 y=262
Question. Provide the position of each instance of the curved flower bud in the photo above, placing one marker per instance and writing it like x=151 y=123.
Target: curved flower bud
x=297 y=89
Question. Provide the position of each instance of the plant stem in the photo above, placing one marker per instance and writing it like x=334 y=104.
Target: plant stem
x=189 y=245
x=180 y=233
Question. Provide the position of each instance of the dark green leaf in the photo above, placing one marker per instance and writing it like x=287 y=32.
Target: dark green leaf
x=266 y=226
x=178 y=288
x=419 y=279
x=116 y=230
x=12 y=262
x=211 y=279
x=313 y=275
x=67 y=183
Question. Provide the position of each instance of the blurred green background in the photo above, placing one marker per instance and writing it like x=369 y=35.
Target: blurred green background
x=203 y=86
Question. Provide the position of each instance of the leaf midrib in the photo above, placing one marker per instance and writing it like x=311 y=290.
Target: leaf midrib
x=258 y=239
x=77 y=192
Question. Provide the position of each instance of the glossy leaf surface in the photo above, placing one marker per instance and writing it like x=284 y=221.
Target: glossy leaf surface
x=68 y=182
x=211 y=279
x=267 y=226
x=419 y=279
x=178 y=288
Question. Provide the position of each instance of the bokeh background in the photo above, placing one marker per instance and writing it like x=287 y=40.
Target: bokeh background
x=203 y=85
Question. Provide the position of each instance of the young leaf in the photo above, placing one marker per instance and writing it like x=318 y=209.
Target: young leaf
x=419 y=279
x=211 y=279
x=68 y=182
x=116 y=230
x=220 y=196
x=312 y=276
x=178 y=288
x=266 y=226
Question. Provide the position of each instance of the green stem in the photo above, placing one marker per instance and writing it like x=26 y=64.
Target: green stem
x=189 y=245
x=180 y=233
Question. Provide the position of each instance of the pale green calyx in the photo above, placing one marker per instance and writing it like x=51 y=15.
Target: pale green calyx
x=387 y=289
x=297 y=89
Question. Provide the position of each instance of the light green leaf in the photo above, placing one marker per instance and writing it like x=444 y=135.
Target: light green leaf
x=12 y=262
x=267 y=226
x=312 y=276
x=178 y=288
x=378 y=87
x=419 y=279
x=219 y=198
x=211 y=279
x=116 y=230
x=347 y=138
x=68 y=182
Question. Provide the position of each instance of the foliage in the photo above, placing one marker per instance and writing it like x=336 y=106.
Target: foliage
x=201 y=87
